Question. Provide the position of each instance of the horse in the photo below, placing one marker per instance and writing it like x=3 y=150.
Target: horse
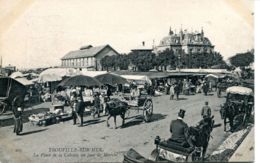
x=228 y=112
x=114 y=108
x=200 y=134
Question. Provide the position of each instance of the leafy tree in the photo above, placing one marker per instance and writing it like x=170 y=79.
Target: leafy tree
x=115 y=62
x=205 y=60
x=242 y=59
x=122 y=62
x=143 y=60
x=165 y=58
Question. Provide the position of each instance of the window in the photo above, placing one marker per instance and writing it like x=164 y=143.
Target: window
x=78 y=63
x=82 y=62
x=89 y=62
x=86 y=61
x=93 y=61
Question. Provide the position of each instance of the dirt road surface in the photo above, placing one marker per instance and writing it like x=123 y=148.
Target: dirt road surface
x=95 y=142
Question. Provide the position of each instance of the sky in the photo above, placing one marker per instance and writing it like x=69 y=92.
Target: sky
x=37 y=33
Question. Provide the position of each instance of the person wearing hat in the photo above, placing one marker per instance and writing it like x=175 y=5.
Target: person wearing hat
x=80 y=108
x=206 y=110
x=177 y=90
x=179 y=130
x=172 y=91
x=17 y=108
x=96 y=105
x=73 y=103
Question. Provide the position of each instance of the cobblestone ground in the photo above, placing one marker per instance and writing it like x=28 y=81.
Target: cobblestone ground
x=96 y=142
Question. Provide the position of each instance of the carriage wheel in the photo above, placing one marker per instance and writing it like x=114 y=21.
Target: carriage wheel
x=238 y=121
x=154 y=155
x=53 y=120
x=3 y=107
x=127 y=113
x=244 y=119
x=148 y=110
x=40 y=123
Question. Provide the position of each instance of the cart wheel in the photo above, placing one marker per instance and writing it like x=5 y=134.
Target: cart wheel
x=127 y=113
x=154 y=155
x=40 y=123
x=3 y=107
x=58 y=119
x=148 y=110
x=53 y=120
x=244 y=119
x=238 y=121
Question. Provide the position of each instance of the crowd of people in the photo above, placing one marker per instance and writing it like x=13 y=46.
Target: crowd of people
x=96 y=98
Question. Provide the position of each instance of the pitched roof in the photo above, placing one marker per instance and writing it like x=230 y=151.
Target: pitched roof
x=89 y=52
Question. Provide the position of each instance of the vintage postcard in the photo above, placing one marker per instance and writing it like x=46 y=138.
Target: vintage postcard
x=127 y=81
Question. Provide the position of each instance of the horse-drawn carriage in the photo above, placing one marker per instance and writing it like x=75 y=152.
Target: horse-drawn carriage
x=170 y=151
x=238 y=106
x=222 y=86
x=141 y=103
x=9 y=90
x=125 y=103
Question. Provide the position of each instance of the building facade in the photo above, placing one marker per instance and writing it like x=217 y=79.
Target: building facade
x=185 y=42
x=87 y=57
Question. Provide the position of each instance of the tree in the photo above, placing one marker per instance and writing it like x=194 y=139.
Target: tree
x=165 y=58
x=242 y=59
x=205 y=60
x=122 y=62
x=115 y=62
x=143 y=60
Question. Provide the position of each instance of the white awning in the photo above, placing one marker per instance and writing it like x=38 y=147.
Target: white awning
x=92 y=73
x=16 y=74
x=240 y=90
x=137 y=77
x=24 y=81
x=56 y=74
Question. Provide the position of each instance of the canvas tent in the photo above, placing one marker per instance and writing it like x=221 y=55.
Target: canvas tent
x=16 y=74
x=56 y=74
x=24 y=81
x=140 y=78
x=92 y=73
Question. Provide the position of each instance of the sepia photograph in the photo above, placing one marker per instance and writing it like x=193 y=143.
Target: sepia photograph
x=130 y=81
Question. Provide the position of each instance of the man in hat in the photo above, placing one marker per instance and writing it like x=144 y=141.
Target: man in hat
x=177 y=90
x=96 y=105
x=17 y=108
x=80 y=108
x=172 y=91
x=73 y=102
x=206 y=110
x=179 y=130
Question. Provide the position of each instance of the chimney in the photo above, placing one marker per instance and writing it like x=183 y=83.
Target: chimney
x=86 y=47
x=143 y=43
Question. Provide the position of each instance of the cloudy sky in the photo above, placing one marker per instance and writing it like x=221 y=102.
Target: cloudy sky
x=37 y=33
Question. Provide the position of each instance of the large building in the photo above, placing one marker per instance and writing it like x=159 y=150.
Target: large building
x=185 y=42
x=87 y=57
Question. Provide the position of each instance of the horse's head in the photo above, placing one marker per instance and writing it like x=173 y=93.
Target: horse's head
x=207 y=124
x=200 y=134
